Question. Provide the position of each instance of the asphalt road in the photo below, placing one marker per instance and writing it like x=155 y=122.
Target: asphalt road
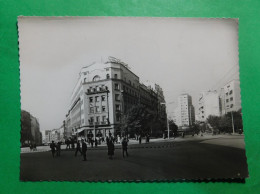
x=155 y=161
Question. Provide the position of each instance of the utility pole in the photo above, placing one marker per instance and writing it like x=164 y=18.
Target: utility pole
x=232 y=122
x=168 y=127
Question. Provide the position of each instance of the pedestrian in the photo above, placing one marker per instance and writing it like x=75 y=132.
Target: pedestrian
x=140 y=139
x=84 y=150
x=68 y=143
x=124 y=147
x=34 y=147
x=92 y=142
x=58 y=148
x=31 y=147
x=72 y=144
x=110 y=148
x=118 y=139
x=96 y=142
x=52 y=146
x=78 y=149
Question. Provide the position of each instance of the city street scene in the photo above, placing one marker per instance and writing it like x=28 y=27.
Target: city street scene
x=130 y=99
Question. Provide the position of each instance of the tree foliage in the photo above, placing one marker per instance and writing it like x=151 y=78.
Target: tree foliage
x=224 y=123
x=173 y=127
x=137 y=120
x=26 y=134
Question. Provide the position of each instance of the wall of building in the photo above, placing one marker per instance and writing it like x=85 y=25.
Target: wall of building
x=209 y=104
x=184 y=114
x=119 y=88
x=232 y=96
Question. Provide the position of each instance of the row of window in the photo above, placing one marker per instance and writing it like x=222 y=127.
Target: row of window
x=231 y=99
x=98 y=88
x=97 y=120
x=97 y=98
x=231 y=106
x=230 y=92
x=97 y=109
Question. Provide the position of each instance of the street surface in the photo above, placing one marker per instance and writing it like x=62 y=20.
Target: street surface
x=182 y=158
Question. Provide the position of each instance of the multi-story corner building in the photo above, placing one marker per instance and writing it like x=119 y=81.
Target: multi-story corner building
x=103 y=93
x=184 y=114
x=231 y=96
x=209 y=104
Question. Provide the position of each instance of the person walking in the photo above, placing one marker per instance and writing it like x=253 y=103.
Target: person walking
x=34 y=147
x=58 y=148
x=96 y=142
x=78 y=149
x=52 y=146
x=140 y=139
x=92 y=142
x=31 y=147
x=124 y=147
x=72 y=143
x=84 y=150
x=110 y=148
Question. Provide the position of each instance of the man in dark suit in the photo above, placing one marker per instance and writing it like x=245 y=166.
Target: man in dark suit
x=78 y=149
x=84 y=149
x=52 y=146
x=124 y=147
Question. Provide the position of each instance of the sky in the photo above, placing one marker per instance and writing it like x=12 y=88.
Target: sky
x=182 y=55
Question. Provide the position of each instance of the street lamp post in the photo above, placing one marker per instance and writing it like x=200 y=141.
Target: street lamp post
x=167 y=120
x=94 y=124
x=232 y=122
x=233 y=128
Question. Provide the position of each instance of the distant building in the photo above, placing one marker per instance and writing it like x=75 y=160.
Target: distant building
x=55 y=135
x=184 y=114
x=47 y=136
x=209 y=104
x=231 y=96
x=104 y=92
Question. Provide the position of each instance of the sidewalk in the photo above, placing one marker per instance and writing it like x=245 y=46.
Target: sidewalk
x=206 y=138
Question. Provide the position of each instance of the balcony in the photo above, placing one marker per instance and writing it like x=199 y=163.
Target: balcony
x=98 y=123
x=97 y=91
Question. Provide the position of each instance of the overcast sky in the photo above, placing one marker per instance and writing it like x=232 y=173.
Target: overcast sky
x=182 y=55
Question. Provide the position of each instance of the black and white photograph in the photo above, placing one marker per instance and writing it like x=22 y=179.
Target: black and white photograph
x=130 y=99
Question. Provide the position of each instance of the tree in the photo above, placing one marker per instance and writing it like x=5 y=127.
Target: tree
x=225 y=124
x=214 y=123
x=26 y=135
x=237 y=119
x=173 y=127
x=137 y=120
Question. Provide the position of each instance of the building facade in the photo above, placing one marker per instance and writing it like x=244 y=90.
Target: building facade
x=56 y=135
x=104 y=92
x=209 y=104
x=231 y=96
x=184 y=114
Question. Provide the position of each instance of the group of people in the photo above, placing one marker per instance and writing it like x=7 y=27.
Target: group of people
x=81 y=147
x=139 y=138
x=55 y=148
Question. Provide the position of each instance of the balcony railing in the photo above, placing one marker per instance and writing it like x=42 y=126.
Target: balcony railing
x=99 y=90
x=98 y=123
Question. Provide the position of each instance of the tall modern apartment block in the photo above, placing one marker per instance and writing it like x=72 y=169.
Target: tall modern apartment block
x=104 y=92
x=184 y=114
x=231 y=96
